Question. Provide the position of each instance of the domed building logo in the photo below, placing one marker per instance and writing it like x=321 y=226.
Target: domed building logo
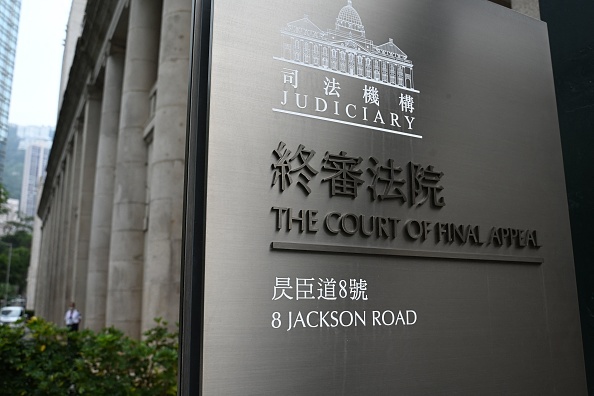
x=346 y=50
x=342 y=54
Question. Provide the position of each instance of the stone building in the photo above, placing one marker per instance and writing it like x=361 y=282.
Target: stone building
x=111 y=206
x=73 y=30
x=109 y=227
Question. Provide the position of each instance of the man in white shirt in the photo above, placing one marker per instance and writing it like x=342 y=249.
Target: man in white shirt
x=72 y=318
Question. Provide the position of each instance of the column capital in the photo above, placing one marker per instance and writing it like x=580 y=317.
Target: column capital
x=78 y=126
x=115 y=47
x=94 y=91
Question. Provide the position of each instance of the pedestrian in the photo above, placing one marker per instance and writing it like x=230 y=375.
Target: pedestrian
x=72 y=317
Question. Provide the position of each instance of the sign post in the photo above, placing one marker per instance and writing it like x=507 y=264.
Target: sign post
x=375 y=203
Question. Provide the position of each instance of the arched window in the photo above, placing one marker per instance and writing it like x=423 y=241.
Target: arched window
x=316 y=54
x=384 y=71
x=368 y=68
x=334 y=60
x=297 y=51
x=408 y=79
x=343 y=65
x=392 y=74
x=306 y=56
x=352 y=68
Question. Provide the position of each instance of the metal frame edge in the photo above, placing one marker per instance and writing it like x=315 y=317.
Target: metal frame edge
x=194 y=226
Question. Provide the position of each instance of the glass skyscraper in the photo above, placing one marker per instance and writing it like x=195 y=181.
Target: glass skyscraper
x=9 y=28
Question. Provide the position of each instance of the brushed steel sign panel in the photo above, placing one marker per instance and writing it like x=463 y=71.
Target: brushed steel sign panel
x=385 y=203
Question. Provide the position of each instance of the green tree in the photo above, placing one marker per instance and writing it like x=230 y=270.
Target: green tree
x=20 y=255
x=15 y=246
x=4 y=209
x=22 y=223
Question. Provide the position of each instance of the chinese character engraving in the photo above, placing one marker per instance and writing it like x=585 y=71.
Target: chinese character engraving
x=424 y=185
x=385 y=183
x=283 y=167
x=345 y=180
x=290 y=77
x=331 y=87
x=306 y=172
x=327 y=290
x=371 y=95
x=406 y=103
x=280 y=288
x=304 y=288
x=358 y=289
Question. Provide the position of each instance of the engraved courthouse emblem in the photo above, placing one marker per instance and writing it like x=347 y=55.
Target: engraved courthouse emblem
x=346 y=50
x=334 y=60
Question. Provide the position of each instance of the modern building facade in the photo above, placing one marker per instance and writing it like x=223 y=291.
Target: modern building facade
x=110 y=216
x=28 y=134
x=36 y=156
x=9 y=26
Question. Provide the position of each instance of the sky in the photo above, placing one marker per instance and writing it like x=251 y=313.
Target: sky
x=38 y=63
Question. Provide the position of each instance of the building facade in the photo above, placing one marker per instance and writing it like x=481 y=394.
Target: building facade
x=73 y=31
x=110 y=213
x=36 y=156
x=9 y=27
x=109 y=228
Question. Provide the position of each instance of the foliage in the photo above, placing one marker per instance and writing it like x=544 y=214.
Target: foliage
x=4 y=209
x=21 y=224
x=38 y=358
x=15 y=245
x=19 y=259
x=12 y=290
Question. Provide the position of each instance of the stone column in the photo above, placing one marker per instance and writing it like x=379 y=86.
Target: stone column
x=85 y=195
x=60 y=265
x=73 y=211
x=124 y=297
x=46 y=261
x=64 y=261
x=42 y=287
x=33 y=272
x=94 y=313
x=52 y=230
x=163 y=261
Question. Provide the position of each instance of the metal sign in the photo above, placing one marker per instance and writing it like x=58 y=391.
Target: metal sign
x=375 y=203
